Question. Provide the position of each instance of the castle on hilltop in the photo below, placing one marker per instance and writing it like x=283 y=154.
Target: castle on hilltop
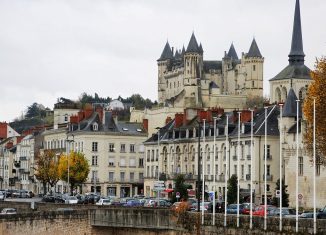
x=186 y=80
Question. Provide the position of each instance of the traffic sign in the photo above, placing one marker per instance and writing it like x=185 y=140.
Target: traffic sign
x=278 y=193
x=177 y=195
x=300 y=196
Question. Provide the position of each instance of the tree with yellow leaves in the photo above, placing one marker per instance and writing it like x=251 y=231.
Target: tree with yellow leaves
x=317 y=90
x=78 y=168
x=46 y=170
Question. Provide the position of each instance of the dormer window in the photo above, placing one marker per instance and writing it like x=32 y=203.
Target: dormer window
x=95 y=126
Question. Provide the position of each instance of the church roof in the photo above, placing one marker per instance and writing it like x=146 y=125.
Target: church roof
x=201 y=49
x=254 y=50
x=296 y=54
x=167 y=52
x=232 y=53
x=293 y=71
x=290 y=106
x=193 y=45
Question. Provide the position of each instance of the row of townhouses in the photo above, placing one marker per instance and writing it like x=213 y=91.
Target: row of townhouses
x=126 y=158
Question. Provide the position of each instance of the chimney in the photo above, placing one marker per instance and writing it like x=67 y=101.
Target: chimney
x=99 y=110
x=178 y=119
x=245 y=116
x=145 y=124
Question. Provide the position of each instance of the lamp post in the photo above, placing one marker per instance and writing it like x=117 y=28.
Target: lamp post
x=158 y=163
x=281 y=165
x=251 y=166
x=238 y=172
x=226 y=167
x=68 y=156
x=214 y=167
x=198 y=169
x=203 y=170
x=265 y=173
x=297 y=173
x=314 y=166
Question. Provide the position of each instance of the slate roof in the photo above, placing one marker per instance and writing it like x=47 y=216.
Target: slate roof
x=293 y=128
x=290 y=106
x=213 y=85
x=296 y=54
x=254 y=50
x=296 y=71
x=232 y=53
x=193 y=45
x=167 y=53
x=212 y=64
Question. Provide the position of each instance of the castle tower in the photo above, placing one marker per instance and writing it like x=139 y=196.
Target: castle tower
x=228 y=76
x=193 y=67
x=296 y=75
x=163 y=64
x=254 y=64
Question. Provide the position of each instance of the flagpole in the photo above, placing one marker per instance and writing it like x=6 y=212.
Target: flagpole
x=265 y=173
x=214 y=167
x=238 y=173
x=226 y=168
x=203 y=170
x=251 y=166
x=281 y=163
x=314 y=166
x=297 y=173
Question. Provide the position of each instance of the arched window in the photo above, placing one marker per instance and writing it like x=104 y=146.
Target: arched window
x=284 y=94
x=278 y=96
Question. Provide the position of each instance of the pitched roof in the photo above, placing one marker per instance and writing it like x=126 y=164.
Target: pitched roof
x=167 y=52
x=296 y=55
x=201 y=49
x=212 y=64
x=232 y=53
x=297 y=71
x=290 y=106
x=254 y=50
x=193 y=45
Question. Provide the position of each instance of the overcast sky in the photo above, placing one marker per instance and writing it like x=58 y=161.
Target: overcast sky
x=61 y=48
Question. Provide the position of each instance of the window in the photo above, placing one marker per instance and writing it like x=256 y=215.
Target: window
x=268 y=152
x=141 y=162
x=242 y=171
x=318 y=164
x=254 y=67
x=122 y=176
x=111 y=148
x=95 y=126
x=268 y=187
x=132 y=148
x=111 y=176
x=300 y=165
x=141 y=176
x=208 y=169
x=253 y=84
x=66 y=117
x=122 y=148
x=235 y=169
x=94 y=146
x=94 y=160
x=111 y=161
x=216 y=169
x=132 y=162
x=268 y=170
x=132 y=176
x=122 y=162
x=249 y=169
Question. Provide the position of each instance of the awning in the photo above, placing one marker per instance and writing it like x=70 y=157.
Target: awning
x=168 y=190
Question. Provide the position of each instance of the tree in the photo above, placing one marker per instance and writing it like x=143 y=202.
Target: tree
x=255 y=101
x=232 y=189
x=285 y=195
x=317 y=90
x=35 y=110
x=78 y=168
x=47 y=169
x=180 y=187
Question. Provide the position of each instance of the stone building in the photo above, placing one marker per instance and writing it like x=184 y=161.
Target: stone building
x=113 y=148
x=185 y=79
x=177 y=151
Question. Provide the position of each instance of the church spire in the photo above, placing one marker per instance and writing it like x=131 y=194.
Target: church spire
x=296 y=55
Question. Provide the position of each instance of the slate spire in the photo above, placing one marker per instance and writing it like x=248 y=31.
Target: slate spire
x=297 y=55
x=290 y=106
x=193 y=45
x=232 y=53
x=254 y=50
x=167 y=52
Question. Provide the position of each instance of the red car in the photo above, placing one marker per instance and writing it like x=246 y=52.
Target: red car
x=260 y=210
x=246 y=208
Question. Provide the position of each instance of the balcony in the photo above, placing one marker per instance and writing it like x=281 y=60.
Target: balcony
x=248 y=176
x=268 y=177
x=23 y=158
x=17 y=164
x=95 y=180
x=208 y=177
x=248 y=157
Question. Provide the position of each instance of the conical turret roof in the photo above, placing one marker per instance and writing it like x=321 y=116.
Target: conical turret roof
x=254 y=50
x=193 y=45
x=296 y=54
x=290 y=106
x=167 y=52
x=232 y=53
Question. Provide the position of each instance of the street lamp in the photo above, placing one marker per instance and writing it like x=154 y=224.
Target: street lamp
x=68 y=154
x=158 y=163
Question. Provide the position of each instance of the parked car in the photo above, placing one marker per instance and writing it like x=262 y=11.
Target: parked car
x=8 y=211
x=260 y=210
x=2 y=196
x=233 y=209
x=48 y=198
x=133 y=203
x=219 y=207
x=103 y=201
x=322 y=213
x=92 y=198
x=81 y=199
x=71 y=200
x=286 y=212
x=246 y=208
x=307 y=214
